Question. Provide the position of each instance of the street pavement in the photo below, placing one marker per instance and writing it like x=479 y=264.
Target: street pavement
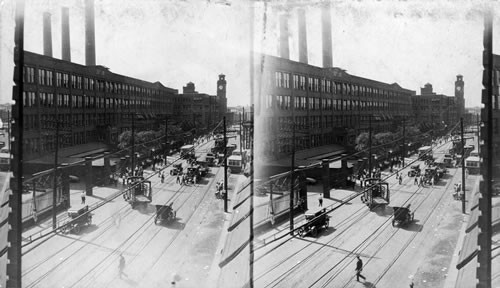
x=181 y=254
x=420 y=253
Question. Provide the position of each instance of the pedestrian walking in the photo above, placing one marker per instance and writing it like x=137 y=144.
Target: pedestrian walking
x=83 y=197
x=359 y=269
x=320 y=200
x=178 y=181
x=162 y=177
x=415 y=181
x=121 y=266
x=400 y=179
x=183 y=180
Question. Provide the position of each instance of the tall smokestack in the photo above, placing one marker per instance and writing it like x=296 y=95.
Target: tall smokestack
x=47 y=34
x=326 y=24
x=284 y=49
x=302 y=37
x=66 y=47
x=89 y=33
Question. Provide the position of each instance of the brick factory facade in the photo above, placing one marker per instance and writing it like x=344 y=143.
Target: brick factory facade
x=327 y=105
x=95 y=105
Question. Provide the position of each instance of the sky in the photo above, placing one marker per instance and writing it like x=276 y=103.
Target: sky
x=408 y=42
x=171 y=41
x=176 y=42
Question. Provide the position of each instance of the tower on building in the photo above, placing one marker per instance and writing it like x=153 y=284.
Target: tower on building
x=221 y=95
x=459 y=95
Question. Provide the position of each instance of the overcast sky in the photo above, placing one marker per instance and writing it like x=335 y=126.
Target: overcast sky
x=174 y=42
x=408 y=42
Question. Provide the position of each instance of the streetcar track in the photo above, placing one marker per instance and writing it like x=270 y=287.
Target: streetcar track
x=157 y=230
x=283 y=276
x=101 y=232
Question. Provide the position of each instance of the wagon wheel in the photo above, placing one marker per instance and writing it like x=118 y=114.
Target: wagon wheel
x=302 y=232
x=327 y=222
x=76 y=229
x=157 y=220
x=314 y=231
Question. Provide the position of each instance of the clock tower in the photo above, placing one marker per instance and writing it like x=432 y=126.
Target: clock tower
x=221 y=95
x=459 y=95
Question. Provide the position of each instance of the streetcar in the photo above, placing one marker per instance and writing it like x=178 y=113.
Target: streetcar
x=234 y=162
x=472 y=164
x=187 y=151
x=376 y=193
x=138 y=191
x=425 y=152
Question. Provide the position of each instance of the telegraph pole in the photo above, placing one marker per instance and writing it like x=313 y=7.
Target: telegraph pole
x=463 y=163
x=478 y=127
x=404 y=150
x=483 y=271
x=166 y=137
x=133 y=144
x=225 y=165
x=14 y=239
x=292 y=182
x=370 y=147
x=54 y=193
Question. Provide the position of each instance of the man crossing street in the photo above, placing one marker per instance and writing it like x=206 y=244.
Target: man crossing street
x=359 y=269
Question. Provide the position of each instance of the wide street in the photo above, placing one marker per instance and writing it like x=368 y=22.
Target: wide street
x=420 y=253
x=154 y=255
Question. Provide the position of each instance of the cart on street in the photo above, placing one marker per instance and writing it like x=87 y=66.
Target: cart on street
x=77 y=218
x=402 y=216
x=164 y=214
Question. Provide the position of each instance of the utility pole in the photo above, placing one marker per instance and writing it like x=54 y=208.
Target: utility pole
x=54 y=192
x=292 y=182
x=133 y=145
x=404 y=148
x=370 y=147
x=241 y=140
x=483 y=270
x=225 y=165
x=14 y=227
x=478 y=127
x=166 y=136
x=463 y=163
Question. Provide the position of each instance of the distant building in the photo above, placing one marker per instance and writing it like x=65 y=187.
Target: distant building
x=431 y=110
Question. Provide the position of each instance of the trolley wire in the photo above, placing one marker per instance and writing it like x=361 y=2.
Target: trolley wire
x=342 y=204
x=106 y=229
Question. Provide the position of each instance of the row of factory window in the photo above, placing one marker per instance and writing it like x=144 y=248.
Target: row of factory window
x=287 y=124
x=47 y=143
x=69 y=121
x=314 y=103
x=282 y=80
x=285 y=144
x=30 y=99
x=45 y=78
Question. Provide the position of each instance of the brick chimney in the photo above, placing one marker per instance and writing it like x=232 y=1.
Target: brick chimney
x=326 y=24
x=65 y=38
x=284 y=48
x=89 y=33
x=47 y=34
x=302 y=36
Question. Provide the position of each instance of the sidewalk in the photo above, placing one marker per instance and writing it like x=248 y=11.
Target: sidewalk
x=99 y=194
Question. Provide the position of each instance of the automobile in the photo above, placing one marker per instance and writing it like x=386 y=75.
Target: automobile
x=315 y=221
x=402 y=216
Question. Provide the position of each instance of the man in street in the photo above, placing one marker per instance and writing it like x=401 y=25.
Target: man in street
x=359 y=269
x=415 y=181
x=83 y=197
x=121 y=266
x=320 y=200
x=400 y=179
